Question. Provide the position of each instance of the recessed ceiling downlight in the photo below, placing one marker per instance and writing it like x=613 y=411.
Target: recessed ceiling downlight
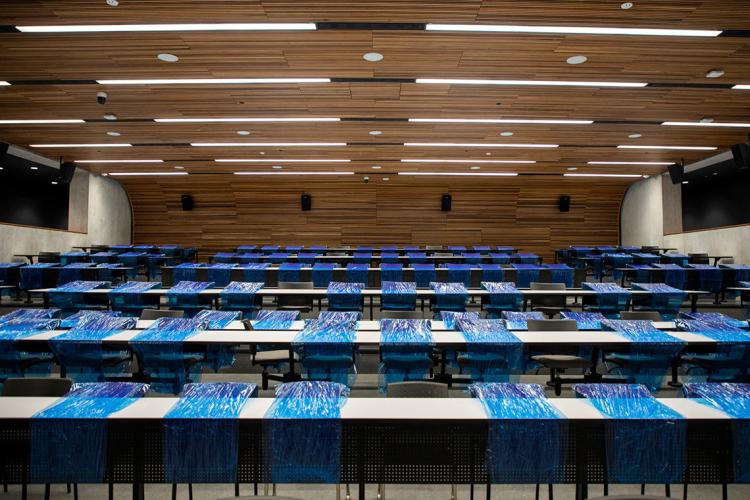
x=113 y=134
x=373 y=57
x=168 y=57
x=577 y=59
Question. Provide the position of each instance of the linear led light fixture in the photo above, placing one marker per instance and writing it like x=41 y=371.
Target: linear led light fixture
x=652 y=163
x=3 y=83
x=265 y=144
x=271 y=160
x=37 y=122
x=463 y=174
x=707 y=124
x=570 y=30
x=295 y=173
x=242 y=120
x=603 y=175
x=686 y=148
x=478 y=145
x=212 y=81
x=119 y=161
x=508 y=120
x=103 y=145
x=539 y=83
x=133 y=174
x=110 y=28
x=736 y=87
x=420 y=160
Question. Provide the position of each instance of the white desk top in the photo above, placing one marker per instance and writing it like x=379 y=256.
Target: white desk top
x=368 y=408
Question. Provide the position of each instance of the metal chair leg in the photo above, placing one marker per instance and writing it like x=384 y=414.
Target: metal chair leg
x=536 y=492
x=174 y=491
x=75 y=491
x=236 y=489
x=111 y=491
x=454 y=492
x=46 y=491
x=190 y=491
x=551 y=491
x=667 y=491
x=684 y=491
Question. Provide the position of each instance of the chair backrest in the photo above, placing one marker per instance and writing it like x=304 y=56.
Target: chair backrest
x=150 y=314
x=338 y=254
x=48 y=257
x=434 y=247
x=552 y=325
x=640 y=315
x=579 y=276
x=549 y=301
x=727 y=260
x=401 y=314
x=443 y=254
x=296 y=301
x=36 y=387
x=698 y=258
x=417 y=390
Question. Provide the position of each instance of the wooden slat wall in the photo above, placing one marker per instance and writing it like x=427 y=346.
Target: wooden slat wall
x=235 y=210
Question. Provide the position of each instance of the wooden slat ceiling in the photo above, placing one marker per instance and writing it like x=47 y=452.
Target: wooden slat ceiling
x=51 y=61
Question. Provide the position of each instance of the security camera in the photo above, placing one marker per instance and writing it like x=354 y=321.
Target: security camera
x=101 y=97
x=366 y=179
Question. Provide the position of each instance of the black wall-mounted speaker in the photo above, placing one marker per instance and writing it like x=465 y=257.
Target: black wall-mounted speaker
x=187 y=202
x=564 y=203
x=676 y=173
x=67 y=171
x=3 y=150
x=741 y=155
x=306 y=202
x=445 y=203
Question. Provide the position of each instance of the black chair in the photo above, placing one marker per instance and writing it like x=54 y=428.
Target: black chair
x=152 y=314
x=49 y=257
x=551 y=304
x=640 y=315
x=698 y=258
x=302 y=303
x=558 y=363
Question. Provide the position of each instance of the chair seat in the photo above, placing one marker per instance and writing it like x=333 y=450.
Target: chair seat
x=273 y=357
x=561 y=361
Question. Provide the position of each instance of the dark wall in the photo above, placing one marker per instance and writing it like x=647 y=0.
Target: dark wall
x=718 y=200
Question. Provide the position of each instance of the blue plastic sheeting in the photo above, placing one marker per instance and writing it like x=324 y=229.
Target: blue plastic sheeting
x=527 y=258
x=15 y=363
x=527 y=436
x=218 y=320
x=412 y=248
x=244 y=248
x=344 y=296
x=483 y=249
x=389 y=248
x=734 y=401
x=389 y=257
x=610 y=298
x=674 y=275
x=651 y=352
x=69 y=439
x=457 y=249
x=364 y=249
x=275 y=320
x=424 y=274
x=108 y=390
x=362 y=257
x=450 y=319
x=71 y=257
x=391 y=272
x=516 y=320
x=642 y=272
x=585 y=320
x=741 y=271
x=319 y=249
x=646 y=258
x=185 y=272
x=675 y=258
x=277 y=257
x=450 y=297
x=72 y=272
x=270 y=248
x=303 y=432
x=714 y=317
x=31 y=276
x=629 y=249
x=709 y=277
x=664 y=298
x=29 y=314
x=255 y=272
x=417 y=257
x=81 y=353
x=561 y=273
x=399 y=295
x=405 y=348
x=503 y=297
x=595 y=263
x=306 y=257
x=358 y=273
x=251 y=257
x=70 y=296
x=459 y=273
x=491 y=272
x=130 y=295
x=322 y=274
x=326 y=349
x=120 y=248
x=617 y=260
x=472 y=257
x=73 y=320
x=223 y=257
x=185 y=295
x=730 y=359
x=644 y=439
x=293 y=248
x=335 y=318
x=201 y=433
x=240 y=296
x=526 y=274
x=220 y=274
x=606 y=249
x=290 y=272
x=160 y=353
x=502 y=249
x=500 y=258
x=493 y=354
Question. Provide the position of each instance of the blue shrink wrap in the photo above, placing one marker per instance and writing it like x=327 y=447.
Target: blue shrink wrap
x=70 y=296
x=241 y=296
x=646 y=258
x=424 y=274
x=185 y=296
x=482 y=249
x=493 y=354
x=679 y=259
x=617 y=260
x=72 y=272
x=527 y=436
x=416 y=257
x=335 y=318
x=290 y=272
x=220 y=274
x=500 y=258
x=459 y=273
x=644 y=439
x=185 y=272
x=451 y=318
x=457 y=249
x=344 y=296
x=642 y=273
x=527 y=258
x=561 y=273
x=322 y=274
x=526 y=274
x=585 y=320
x=664 y=298
x=449 y=297
x=610 y=298
x=270 y=248
x=14 y=363
x=224 y=257
x=32 y=276
x=516 y=320
x=69 y=438
x=255 y=271
x=73 y=320
x=250 y=258
x=302 y=433
x=389 y=258
x=326 y=349
x=714 y=317
x=491 y=272
x=362 y=257
x=405 y=348
x=306 y=257
x=391 y=272
x=674 y=275
x=729 y=360
x=503 y=297
x=277 y=257
x=358 y=273
x=29 y=314
x=710 y=278
x=201 y=432
x=275 y=320
x=471 y=257
x=399 y=295
x=318 y=249
x=130 y=297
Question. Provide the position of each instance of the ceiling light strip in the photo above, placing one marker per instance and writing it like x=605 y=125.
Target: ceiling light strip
x=271 y=160
x=212 y=81
x=741 y=87
x=677 y=148
x=463 y=174
x=265 y=144
x=651 y=163
x=295 y=173
x=604 y=175
x=113 y=28
x=133 y=174
x=119 y=161
x=104 y=145
x=469 y=161
x=503 y=120
x=242 y=120
x=37 y=122
x=478 y=145
x=545 y=83
x=707 y=124
x=571 y=30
